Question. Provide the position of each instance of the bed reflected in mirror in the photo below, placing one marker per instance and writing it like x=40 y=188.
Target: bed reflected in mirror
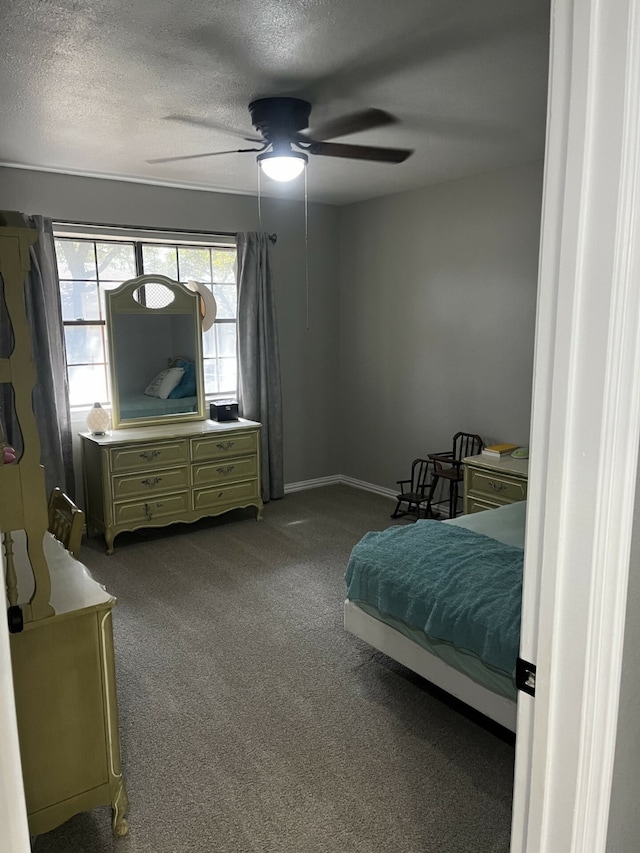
x=155 y=352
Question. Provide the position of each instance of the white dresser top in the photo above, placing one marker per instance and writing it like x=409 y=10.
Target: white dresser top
x=72 y=586
x=180 y=430
x=506 y=464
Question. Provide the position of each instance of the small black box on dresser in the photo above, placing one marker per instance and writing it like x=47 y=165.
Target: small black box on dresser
x=223 y=410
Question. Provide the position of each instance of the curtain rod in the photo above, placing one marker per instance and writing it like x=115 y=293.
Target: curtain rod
x=272 y=237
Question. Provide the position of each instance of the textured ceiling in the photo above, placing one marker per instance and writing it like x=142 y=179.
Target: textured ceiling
x=95 y=87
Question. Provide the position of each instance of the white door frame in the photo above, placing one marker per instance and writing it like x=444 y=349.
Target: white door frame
x=585 y=429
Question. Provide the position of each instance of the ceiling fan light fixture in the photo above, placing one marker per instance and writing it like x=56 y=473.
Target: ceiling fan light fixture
x=283 y=167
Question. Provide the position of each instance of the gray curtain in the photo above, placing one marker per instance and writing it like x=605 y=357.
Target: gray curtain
x=259 y=386
x=51 y=393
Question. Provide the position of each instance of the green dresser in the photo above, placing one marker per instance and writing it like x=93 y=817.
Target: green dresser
x=157 y=475
x=490 y=483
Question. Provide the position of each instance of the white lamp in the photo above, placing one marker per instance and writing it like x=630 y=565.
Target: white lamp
x=283 y=166
x=98 y=420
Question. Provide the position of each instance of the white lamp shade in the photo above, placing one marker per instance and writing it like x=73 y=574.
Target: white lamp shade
x=98 y=420
x=283 y=167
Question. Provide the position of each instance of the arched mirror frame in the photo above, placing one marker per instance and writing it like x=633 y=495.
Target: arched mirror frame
x=121 y=303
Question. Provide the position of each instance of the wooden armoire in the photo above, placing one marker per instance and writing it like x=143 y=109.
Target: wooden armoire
x=60 y=617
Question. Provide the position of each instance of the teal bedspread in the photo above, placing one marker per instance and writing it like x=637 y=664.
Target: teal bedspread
x=142 y=406
x=454 y=584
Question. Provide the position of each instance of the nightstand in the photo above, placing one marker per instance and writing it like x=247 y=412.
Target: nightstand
x=490 y=483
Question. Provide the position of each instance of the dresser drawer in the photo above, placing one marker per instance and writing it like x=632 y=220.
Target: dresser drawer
x=226 y=494
x=476 y=505
x=228 y=470
x=137 y=512
x=496 y=486
x=125 y=486
x=223 y=446
x=149 y=456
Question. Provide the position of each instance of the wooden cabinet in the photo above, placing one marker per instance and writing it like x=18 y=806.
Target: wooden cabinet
x=65 y=695
x=154 y=476
x=489 y=483
x=62 y=659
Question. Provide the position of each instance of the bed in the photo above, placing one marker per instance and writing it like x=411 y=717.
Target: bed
x=443 y=599
x=134 y=406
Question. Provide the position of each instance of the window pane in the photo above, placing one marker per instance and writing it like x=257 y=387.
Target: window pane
x=224 y=265
x=87 y=385
x=195 y=264
x=84 y=345
x=226 y=334
x=76 y=259
x=227 y=300
x=209 y=343
x=116 y=261
x=210 y=376
x=227 y=375
x=161 y=260
x=79 y=300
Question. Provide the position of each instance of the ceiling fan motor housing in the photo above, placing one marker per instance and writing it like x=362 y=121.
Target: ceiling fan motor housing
x=277 y=117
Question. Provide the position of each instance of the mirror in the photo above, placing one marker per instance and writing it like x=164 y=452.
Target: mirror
x=155 y=352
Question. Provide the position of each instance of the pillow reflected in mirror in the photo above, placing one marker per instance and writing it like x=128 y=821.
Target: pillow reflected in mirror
x=164 y=383
x=187 y=385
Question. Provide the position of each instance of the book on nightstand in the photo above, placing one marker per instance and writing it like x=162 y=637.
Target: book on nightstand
x=497 y=451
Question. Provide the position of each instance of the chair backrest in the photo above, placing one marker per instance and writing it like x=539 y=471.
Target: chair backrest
x=419 y=474
x=466 y=444
x=66 y=521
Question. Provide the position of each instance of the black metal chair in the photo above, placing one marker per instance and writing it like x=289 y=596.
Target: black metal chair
x=448 y=468
x=414 y=492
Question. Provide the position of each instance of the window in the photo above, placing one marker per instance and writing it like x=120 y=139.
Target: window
x=90 y=265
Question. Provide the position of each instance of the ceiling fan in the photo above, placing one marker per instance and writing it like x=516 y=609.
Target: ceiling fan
x=285 y=139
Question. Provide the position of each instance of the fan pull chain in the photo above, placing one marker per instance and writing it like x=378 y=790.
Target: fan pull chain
x=306 y=243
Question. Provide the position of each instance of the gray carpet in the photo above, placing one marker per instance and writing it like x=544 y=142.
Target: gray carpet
x=251 y=721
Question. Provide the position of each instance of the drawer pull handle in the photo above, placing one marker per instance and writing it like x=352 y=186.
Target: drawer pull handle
x=147 y=510
x=151 y=481
x=226 y=469
x=225 y=445
x=497 y=487
x=220 y=494
x=149 y=454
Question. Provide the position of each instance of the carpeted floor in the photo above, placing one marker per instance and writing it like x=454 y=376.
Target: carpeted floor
x=252 y=722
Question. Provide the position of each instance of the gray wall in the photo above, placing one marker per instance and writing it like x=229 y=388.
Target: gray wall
x=437 y=315
x=309 y=356
x=420 y=325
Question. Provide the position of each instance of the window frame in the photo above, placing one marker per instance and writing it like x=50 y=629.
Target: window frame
x=138 y=238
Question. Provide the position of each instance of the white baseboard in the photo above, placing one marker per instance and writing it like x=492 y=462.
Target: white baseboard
x=337 y=480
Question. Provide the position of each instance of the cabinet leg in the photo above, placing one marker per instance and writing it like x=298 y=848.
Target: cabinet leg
x=108 y=538
x=119 y=808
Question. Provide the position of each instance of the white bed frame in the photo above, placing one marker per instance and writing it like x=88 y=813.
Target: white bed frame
x=419 y=660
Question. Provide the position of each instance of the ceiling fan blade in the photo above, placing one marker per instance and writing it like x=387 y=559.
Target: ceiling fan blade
x=212 y=125
x=353 y=123
x=360 y=152
x=208 y=154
